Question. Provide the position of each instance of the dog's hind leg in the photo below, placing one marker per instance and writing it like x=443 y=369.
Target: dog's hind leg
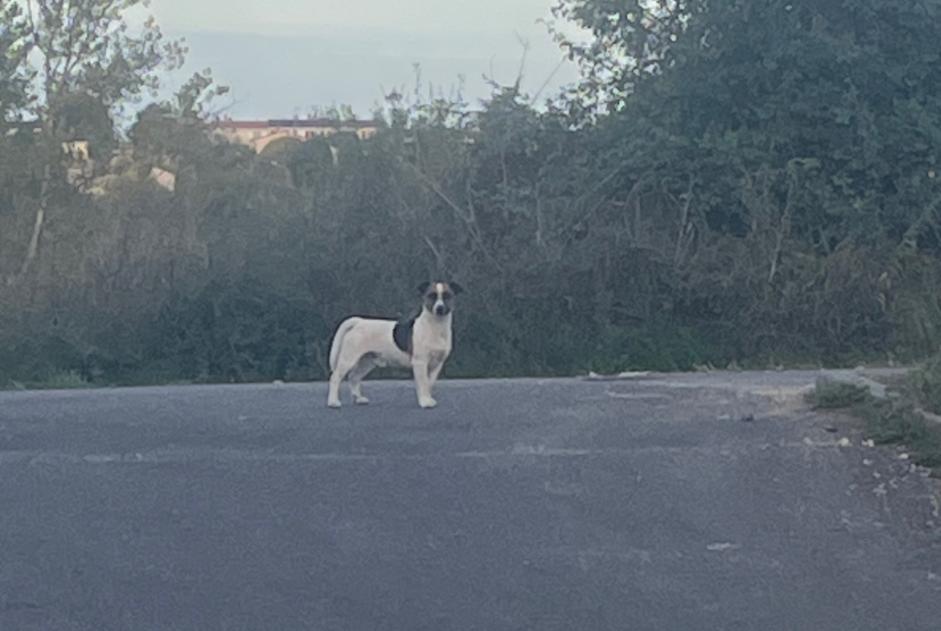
x=362 y=368
x=343 y=367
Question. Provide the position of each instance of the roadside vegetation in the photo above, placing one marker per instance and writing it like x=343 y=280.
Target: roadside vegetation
x=731 y=184
x=907 y=415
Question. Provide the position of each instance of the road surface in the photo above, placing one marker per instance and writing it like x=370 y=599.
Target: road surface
x=697 y=502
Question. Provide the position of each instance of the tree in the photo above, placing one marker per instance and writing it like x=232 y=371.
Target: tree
x=799 y=140
x=81 y=116
x=85 y=46
x=632 y=41
x=14 y=74
x=165 y=132
x=84 y=50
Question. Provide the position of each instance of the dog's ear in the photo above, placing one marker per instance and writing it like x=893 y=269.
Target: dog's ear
x=424 y=287
x=457 y=289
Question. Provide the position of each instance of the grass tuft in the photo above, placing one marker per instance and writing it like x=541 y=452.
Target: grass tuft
x=833 y=395
x=65 y=380
x=895 y=420
x=926 y=384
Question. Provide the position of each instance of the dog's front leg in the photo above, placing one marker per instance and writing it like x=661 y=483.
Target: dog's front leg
x=434 y=372
x=422 y=383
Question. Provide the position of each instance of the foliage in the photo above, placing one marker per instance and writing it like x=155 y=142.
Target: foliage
x=733 y=182
x=830 y=394
x=926 y=382
x=897 y=422
x=895 y=419
x=87 y=48
x=14 y=74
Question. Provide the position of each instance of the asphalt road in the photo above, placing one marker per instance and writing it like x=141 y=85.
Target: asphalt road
x=667 y=503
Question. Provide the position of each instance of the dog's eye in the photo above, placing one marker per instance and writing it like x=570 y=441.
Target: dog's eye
x=432 y=296
x=447 y=295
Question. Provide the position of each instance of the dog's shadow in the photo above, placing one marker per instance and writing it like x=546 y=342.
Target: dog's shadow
x=401 y=412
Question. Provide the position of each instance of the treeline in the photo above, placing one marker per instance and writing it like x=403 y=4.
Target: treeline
x=732 y=183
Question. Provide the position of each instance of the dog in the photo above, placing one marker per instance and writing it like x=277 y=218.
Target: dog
x=422 y=342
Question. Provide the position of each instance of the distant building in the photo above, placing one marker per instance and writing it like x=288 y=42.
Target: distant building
x=163 y=178
x=77 y=150
x=260 y=134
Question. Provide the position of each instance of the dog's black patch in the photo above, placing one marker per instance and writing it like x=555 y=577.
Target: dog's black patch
x=402 y=334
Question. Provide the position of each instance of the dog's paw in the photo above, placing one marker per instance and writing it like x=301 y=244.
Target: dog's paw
x=334 y=405
x=427 y=403
x=361 y=400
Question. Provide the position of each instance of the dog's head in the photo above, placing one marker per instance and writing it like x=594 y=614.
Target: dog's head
x=438 y=297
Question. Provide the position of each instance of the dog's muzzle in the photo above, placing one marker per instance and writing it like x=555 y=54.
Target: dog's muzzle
x=441 y=310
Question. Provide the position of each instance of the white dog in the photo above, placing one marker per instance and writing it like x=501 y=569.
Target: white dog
x=422 y=342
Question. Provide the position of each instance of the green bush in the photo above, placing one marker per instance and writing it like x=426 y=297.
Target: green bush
x=831 y=394
x=926 y=382
x=897 y=422
x=711 y=198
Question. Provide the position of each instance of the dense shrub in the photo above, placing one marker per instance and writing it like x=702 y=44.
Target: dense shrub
x=733 y=183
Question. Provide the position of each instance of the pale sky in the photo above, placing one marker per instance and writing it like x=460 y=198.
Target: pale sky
x=283 y=57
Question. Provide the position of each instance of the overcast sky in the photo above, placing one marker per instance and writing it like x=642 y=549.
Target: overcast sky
x=283 y=57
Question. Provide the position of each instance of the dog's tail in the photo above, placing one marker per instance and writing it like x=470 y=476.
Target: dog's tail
x=345 y=327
